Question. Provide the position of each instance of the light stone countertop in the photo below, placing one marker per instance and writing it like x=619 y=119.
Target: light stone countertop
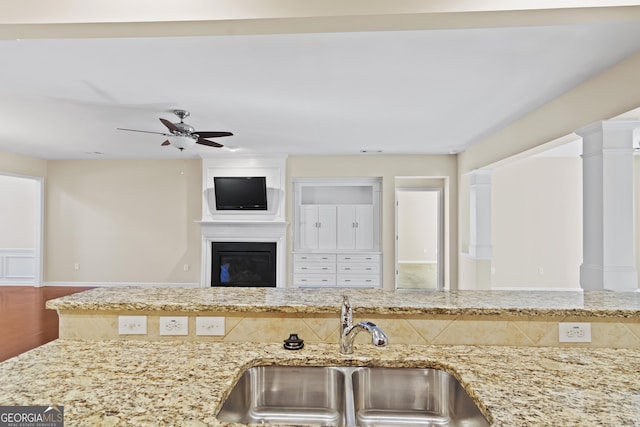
x=364 y=301
x=173 y=383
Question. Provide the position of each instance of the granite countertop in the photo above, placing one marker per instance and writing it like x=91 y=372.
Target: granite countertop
x=364 y=301
x=171 y=383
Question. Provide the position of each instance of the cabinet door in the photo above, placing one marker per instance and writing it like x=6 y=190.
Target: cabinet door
x=317 y=227
x=364 y=227
x=309 y=227
x=346 y=227
x=355 y=227
x=326 y=227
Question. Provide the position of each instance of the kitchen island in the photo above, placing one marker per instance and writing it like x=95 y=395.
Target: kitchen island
x=113 y=380
x=409 y=317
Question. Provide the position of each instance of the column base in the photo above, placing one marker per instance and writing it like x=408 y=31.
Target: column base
x=599 y=278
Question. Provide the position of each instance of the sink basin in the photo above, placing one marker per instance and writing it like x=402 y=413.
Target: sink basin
x=350 y=396
x=408 y=396
x=287 y=395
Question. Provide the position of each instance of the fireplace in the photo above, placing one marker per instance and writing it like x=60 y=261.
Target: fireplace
x=243 y=264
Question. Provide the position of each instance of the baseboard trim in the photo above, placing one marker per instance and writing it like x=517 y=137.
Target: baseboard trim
x=121 y=284
x=14 y=283
x=534 y=288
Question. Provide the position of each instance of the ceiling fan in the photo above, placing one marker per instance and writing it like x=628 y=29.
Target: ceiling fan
x=182 y=135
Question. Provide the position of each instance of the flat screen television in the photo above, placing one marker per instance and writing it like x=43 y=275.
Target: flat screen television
x=239 y=193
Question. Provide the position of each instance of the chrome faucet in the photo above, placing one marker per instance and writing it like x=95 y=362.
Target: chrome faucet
x=349 y=330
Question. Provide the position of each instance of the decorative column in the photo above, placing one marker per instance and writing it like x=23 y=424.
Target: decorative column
x=607 y=187
x=478 y=265
x=480 y=214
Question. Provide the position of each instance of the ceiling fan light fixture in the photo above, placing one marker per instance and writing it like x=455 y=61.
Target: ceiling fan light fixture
x=182 y=142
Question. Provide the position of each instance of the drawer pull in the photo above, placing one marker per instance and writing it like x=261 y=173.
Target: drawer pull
x=368 y=268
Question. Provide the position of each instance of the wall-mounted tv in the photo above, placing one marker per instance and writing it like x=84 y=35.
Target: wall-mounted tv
x=239 y=193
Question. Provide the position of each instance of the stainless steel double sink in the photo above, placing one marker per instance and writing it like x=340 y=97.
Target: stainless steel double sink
x=350 y=396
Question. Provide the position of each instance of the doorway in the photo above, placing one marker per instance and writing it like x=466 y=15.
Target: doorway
x=419 y=238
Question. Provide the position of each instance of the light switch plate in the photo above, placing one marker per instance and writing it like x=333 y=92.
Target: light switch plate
x=132 y=325
x=210 y=325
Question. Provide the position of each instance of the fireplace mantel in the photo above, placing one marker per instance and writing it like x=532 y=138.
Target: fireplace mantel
x=244 y=231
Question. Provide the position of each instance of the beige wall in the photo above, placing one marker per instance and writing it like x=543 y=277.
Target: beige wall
x=537 y=223
x=123 y=221
x=17 y=212
x=21 y=165
x=387 y=167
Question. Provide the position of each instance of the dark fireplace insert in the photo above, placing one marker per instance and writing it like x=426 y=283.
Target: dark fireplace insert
x=249 y=264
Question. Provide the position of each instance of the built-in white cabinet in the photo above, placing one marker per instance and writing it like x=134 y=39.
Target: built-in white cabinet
x=336 y=232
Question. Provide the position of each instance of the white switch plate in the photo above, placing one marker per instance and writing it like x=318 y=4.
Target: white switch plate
x=574 y=332
x=132 y=325
x=174 y=325
x=210 y=325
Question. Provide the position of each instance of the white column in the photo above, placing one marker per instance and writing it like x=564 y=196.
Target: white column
x=608 y=226
x=480 y=215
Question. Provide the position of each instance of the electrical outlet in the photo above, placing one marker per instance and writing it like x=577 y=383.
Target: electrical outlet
x=574 y=332
x=210 y=325
x=178 y=325
x=132 y=325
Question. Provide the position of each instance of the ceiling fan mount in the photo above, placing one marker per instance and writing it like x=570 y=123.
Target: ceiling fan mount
x=182 y=135
x=182 y=114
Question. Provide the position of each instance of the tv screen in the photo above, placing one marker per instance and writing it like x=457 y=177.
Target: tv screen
x=235 y=193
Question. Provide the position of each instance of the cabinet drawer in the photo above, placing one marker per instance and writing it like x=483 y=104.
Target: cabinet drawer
x=359 y=258
x=315 y=267
x=358 y=268
x=314 y=257
x=364 y=281
x=314 y=280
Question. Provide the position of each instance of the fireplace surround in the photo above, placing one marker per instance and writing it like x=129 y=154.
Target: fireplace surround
x=245 y=232
x=263 y=226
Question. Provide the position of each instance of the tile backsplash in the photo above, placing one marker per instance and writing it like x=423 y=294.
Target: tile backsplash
x=498 y=330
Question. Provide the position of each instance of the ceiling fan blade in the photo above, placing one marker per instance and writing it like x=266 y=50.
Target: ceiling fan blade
x=165 y=143
x=144 y=131
x=209 y=143
x=212 y=134
x=169 y=125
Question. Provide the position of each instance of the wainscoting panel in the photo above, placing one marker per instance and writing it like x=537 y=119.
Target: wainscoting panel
x=17 y=266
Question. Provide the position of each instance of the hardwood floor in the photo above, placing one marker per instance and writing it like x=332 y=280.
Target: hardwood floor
x=24 y=321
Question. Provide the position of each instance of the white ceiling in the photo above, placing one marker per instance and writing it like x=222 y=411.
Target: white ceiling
x=427 y=91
